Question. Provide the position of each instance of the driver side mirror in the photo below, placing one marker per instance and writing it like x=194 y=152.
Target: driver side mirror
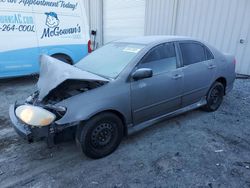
x=142 y=73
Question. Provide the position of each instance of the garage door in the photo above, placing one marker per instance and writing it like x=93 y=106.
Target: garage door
x=122 y=18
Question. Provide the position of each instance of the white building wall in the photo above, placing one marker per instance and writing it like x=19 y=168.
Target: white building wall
x=222 y=23
x=122 y=19
x=95 y=16
x=160 y=17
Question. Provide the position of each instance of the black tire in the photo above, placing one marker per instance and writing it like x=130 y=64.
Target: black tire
x=214 y=97
x=63 y=58
x=100 y=136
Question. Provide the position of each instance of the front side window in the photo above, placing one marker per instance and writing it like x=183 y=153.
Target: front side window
x=192 y=53
x=160 y=59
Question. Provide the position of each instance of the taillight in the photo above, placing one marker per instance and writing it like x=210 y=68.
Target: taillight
x=89 y=46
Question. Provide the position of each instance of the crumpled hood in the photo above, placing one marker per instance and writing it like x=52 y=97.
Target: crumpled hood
x=53 y=72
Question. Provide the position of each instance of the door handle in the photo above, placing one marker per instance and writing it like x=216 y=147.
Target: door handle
x=177 y=76
x=211 y=66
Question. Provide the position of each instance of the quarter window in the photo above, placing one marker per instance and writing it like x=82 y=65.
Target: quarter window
x=209 y=54
x=160 y=59
x=192 y=53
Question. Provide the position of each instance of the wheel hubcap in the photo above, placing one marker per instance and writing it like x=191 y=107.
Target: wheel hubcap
x=102 y=135
x=215 y=97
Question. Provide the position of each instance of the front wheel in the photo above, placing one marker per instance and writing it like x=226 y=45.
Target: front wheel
x=100 y=136
x=214 y=97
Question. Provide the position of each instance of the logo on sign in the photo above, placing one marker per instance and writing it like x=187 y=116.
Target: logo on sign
x=54 y=30
x=52 y=20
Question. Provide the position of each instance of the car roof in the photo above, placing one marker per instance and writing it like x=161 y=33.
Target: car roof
x=147 y=40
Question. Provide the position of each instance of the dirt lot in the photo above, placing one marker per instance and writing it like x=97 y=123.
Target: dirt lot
x=197 y=149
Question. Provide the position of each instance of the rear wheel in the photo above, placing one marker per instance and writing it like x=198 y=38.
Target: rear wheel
x=63 y=58
x=100 y=136
x=214 y=97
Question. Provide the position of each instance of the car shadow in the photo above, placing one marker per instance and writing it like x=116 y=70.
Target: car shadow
x=19 y=80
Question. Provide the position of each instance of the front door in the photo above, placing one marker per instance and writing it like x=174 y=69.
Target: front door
x=160 y=94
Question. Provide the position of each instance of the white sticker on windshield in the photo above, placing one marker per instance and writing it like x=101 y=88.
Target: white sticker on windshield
x=131 y=50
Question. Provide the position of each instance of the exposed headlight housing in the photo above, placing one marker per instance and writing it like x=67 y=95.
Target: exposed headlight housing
x=34 y=115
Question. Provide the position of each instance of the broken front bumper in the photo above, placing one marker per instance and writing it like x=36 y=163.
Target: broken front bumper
x=25 y=131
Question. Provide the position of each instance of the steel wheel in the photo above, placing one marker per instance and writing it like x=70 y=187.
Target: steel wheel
x=100 y=136
x=214 y=97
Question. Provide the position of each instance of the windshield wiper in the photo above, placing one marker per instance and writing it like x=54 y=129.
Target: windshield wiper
x=108 y=78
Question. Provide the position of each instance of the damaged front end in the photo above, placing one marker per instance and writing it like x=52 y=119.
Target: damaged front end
x=36 y=117
x=21 y=114
x=70 y=88
x=35 y=120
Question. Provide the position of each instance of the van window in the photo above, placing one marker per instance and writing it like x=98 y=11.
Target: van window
x=160 y=59
x=192 y=53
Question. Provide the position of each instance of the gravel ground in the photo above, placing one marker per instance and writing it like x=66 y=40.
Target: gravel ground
x=197 y=149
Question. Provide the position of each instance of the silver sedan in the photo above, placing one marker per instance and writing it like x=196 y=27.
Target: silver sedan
x=121 y=88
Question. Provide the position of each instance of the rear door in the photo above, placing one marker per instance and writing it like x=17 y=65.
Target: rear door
x=160 y=94
x=199 y=70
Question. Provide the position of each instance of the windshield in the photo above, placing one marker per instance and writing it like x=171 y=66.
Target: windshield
x=109 y=60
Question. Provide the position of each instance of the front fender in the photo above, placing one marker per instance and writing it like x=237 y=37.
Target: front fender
x=83 y=106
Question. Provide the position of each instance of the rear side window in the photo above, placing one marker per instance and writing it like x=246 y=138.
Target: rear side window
x=160 y=59
x=192 y=53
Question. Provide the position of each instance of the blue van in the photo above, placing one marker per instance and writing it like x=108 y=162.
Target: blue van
x=31 y=28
